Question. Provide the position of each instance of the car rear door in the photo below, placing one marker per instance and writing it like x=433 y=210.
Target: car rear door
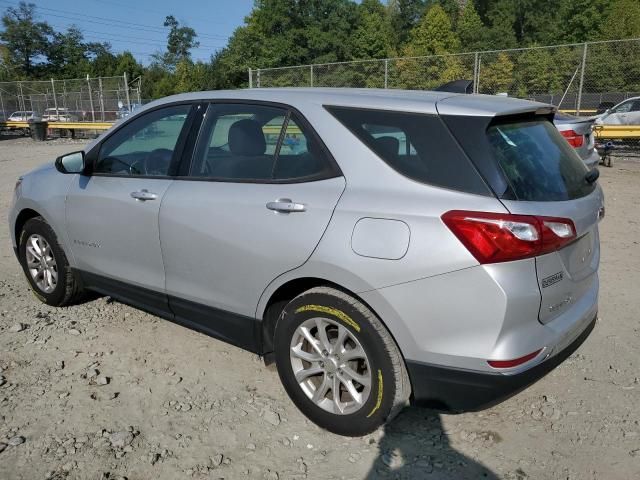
x=253 y=205
x=112 y=213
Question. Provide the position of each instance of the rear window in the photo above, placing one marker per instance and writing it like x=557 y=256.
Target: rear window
x=418 y=146
x=537 y=162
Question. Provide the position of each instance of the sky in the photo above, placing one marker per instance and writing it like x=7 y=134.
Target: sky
x=136 y=25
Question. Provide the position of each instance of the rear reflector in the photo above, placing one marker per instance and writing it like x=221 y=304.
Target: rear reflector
x=575 y=139
x=503 y=237
x=513 y=363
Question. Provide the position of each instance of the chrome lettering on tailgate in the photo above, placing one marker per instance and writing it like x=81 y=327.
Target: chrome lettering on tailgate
x=551 y=279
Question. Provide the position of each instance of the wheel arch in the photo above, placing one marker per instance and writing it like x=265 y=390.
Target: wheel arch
x=22 y=218
x=290 y=289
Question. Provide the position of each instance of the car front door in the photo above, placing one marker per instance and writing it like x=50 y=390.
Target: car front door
x=112 y=213
x=258 y=196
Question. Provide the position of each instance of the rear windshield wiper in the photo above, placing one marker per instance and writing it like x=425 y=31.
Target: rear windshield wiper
x=592 y=175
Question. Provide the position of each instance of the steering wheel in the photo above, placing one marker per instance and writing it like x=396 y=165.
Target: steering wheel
x=157 y=162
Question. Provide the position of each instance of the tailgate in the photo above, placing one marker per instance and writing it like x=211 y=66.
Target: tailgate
x=566 y=275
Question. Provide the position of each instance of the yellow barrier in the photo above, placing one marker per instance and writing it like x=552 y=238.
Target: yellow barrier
x=573 y=112
x=617 y=131
x=62 y=125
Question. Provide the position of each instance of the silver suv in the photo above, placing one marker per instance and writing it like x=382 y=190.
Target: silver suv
x=383 y=247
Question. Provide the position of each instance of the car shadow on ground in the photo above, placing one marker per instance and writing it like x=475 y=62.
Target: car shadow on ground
x=414 y=446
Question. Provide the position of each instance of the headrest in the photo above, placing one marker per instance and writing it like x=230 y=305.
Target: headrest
x=246 y=138
x=389 y=145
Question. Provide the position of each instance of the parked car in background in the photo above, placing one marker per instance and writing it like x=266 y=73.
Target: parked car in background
x=124 y=112
x=626 y=112
x=22 y=116
x=578 y=131
x=381 y=246
x=59 y=115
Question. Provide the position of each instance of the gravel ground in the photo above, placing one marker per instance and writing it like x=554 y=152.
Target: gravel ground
x=103 y=391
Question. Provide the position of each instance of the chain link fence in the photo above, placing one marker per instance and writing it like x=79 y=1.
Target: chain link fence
x=582 y=78
x=86 y=100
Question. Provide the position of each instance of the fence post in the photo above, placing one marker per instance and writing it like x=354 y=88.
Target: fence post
x=258 y=79
x=21 y=103
x=55 y=99
x=250 y=78
x=584 y=61
x=126 y=91
x=93 y=113
x=2 y=107
x=311 y=75
x=101 y=96
x=476 y=65
x=386 y=73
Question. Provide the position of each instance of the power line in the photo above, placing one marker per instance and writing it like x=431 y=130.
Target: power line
x=140 y=40
x=111 y=22
x=146 y=10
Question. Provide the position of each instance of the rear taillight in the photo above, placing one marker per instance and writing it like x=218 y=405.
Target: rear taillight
x=575 y=139
x=503 y=237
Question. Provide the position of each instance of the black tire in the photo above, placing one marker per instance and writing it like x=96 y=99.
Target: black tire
x=390 y=388
x=68 y=289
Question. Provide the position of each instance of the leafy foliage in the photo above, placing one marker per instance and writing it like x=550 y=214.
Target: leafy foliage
x=292 y=32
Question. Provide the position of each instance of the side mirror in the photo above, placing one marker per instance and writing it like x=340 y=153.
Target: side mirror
x=71 y=163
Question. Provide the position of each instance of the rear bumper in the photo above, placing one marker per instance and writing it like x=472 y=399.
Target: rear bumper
x=459 y=390
x=593 y=160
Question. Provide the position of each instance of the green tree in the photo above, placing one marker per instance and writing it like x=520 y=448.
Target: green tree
x=190 y=77
x=67 y=54
x=623 y=20
x=471 y=30
x=372 y=37
x=433 y=38
x=25 y=38
x=582 y=19
x=404 y=16
x=180 y=41
x=496 y=76
x=501 y=16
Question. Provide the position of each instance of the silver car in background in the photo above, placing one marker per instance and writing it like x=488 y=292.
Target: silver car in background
x=382 y=247
x=578 y=131
x=626 y=112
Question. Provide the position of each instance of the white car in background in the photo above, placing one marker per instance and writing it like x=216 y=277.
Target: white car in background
x=59 y=115
x=624 y=113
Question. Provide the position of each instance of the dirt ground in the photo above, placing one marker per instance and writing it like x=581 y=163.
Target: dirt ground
x=103 y=391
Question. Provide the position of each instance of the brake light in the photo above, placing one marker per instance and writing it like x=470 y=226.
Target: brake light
x=503 y=237
x=575 y=140
x=515 y=362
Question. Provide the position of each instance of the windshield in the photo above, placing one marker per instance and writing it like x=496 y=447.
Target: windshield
x=538 y=163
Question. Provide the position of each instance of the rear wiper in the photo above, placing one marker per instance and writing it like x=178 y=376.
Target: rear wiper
x=592 y=175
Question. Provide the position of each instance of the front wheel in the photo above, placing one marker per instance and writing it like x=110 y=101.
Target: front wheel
x=338 y=362
x=45 y=265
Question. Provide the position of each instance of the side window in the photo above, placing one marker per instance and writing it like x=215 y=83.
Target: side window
x=300 y=154
x=251 y=143
x=145 y=146
x=636 y=106
x=416 y=145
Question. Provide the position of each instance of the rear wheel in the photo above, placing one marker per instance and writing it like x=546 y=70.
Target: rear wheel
x=338 y=362
x=45 y=265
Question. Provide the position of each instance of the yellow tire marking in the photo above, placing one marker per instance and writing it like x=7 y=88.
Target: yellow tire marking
x=379 y=400
x=331 y=311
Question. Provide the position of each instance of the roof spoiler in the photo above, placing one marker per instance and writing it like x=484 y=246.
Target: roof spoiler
x=456 y=86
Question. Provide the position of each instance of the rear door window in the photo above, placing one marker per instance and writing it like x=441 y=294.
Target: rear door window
x=418 y=146
x=537 y=162
x=258 y=143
